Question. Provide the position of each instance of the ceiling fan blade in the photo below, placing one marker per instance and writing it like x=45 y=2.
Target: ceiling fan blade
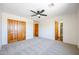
x=43 y=14
x=33 y=11
x=42 y=11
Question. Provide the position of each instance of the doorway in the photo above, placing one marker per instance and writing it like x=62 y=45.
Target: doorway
x=36 y=29
x=61 y=31
x=16 y=30
x=58 y=30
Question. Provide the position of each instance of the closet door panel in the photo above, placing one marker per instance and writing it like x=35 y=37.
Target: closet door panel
x=15 y=30
x=11 y=31
x=21 y=31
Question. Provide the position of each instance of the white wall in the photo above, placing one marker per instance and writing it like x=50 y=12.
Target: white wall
x=29 y=29
x=0 y=29
x=46 y=29
x=78 y=30
x=5 y=17
x=69 y=28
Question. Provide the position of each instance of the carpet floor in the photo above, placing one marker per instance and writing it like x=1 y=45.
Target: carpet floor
x=39 y=46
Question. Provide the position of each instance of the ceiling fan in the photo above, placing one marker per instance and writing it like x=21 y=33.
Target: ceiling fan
x=38 y=13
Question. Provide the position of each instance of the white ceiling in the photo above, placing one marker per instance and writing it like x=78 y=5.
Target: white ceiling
x=23 y=9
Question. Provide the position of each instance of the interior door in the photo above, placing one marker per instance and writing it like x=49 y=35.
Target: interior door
x=16 y=30
x=21 y=31
x=56 y=30
x=12 y=30
x=36 y=30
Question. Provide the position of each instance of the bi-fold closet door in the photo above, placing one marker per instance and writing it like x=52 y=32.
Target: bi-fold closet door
x=16 y=30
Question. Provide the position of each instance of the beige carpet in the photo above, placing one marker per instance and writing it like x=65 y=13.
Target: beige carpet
x=39 y=47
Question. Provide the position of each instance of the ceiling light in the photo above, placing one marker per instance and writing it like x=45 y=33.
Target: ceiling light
x=51 y=4
x=38 y=15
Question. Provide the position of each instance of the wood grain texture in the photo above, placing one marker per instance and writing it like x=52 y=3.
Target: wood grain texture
x=56 y=30
x=16 y=30
x=36 y=31
x=21 y=31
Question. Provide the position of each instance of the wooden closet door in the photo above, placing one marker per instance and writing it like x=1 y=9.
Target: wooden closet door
x=12 y=31
x=21 y=31
x=16 y=30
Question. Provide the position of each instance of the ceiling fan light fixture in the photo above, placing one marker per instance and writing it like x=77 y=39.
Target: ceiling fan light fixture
x=38 y=15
